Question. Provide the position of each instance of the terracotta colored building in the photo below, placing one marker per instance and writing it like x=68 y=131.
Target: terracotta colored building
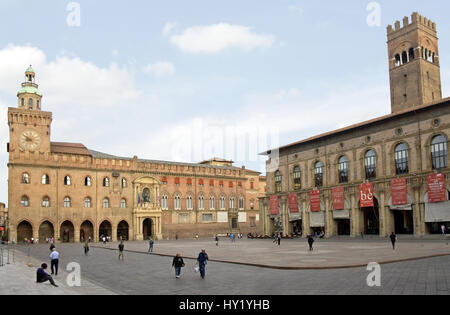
x=388 y=174
x=72 y=193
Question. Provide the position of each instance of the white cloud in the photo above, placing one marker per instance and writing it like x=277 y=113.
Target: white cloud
x=218 y=37
x=168 y=27
x=160 y=69
x=67 y=80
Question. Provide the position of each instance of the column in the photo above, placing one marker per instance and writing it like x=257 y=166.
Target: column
x=76 y=237
x=114 y=233
x=382 y=212
x=354 y=226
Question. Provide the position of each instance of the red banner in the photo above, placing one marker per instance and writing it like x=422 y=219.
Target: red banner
x=314 y=200
x=338 y=198
x=273 y=205
x=293 y=203
x=398 y=190
x=436 y=188
x=366 y=195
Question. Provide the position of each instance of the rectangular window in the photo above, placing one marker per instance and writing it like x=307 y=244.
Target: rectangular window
x=252 y=222
x=207 y=217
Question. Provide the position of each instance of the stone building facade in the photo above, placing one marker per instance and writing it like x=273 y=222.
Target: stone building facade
x=71 y=193
x=398 y=161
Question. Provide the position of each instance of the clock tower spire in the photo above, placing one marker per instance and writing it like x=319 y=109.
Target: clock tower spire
x=29 y=126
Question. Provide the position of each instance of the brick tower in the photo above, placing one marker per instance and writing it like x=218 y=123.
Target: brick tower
x=414 y=68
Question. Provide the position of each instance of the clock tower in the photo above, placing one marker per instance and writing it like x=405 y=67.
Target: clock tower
x=29 y=126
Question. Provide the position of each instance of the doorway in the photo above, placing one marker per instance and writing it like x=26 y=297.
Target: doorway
x=147 y=228
x=343 y=227
x=403 y=221
x=372 y=219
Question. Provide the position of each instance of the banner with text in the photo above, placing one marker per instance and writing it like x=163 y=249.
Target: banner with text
x=398 y=190
x=273 y=205
x=338 y=198
x=437 y=191
x=293 y=203
x=314 y=200
x=366 y=195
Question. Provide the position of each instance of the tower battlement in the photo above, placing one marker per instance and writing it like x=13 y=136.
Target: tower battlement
x=416 y=19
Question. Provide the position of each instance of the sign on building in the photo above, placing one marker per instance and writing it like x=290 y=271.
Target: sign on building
x=338 y=198
x=274 y=205
x=293 y=203
x=398 y=190
x=436 y=188
x=366 y=195
x=314 y=200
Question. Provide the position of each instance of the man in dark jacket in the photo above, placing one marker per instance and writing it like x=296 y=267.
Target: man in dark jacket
x=202 y=261
x=177 y=263
x=393 y=238
x=42 y=276
x=310 y=242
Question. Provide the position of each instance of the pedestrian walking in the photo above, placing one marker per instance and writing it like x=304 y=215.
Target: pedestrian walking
x=86 y=248
x=279 y=239
x=42 y=276
x=150 y=245
x=51 y=247
x=178 y=263
x=217 y=240
x=196 y=236
x=310 y=242
x=121 y=247
x=54 y=261
x=202 y=261
x=443 y=229
x=393 y=238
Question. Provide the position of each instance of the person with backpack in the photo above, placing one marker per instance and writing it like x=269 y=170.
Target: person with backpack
x=202 y=260
x=178 y=263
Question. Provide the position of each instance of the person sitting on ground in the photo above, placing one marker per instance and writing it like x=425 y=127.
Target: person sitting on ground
x=42 y=275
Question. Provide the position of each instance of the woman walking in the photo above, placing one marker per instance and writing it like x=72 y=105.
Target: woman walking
x=178 y=263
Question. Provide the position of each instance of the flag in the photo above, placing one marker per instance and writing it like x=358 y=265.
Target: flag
x=139 y=198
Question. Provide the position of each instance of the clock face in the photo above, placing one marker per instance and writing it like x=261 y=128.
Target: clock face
x=30 y=140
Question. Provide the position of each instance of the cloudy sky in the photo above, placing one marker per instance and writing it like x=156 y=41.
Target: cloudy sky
x=190 y=79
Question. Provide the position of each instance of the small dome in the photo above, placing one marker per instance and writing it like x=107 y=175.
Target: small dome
x=30 y=69
x=30 y=90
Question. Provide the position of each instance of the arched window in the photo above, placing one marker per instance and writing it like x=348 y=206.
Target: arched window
x=67 y=202
x=211 y=203
x=46 y=202
x=398 y=60
x=404 y=57
x=124 y=183
x=87 y=181
x=278 y=181
x=24 y=201
x=411 y=54
x=67 y=181
x=177 y=202
x=45 y=179
x=439 y=152
x=371 y=164
x=401 y=159
x=87 y=202
x=232 y=203
x=241 y=203
x=343 y=170
x=318 y=174
x=38 y=106
x=22 y=102
x=106 y=182
x=297 y=178
x=164 y=202
x=201 y=203
x=30 y=104
x=25 y=178
x=123 y=203
x=189 y=203
x=105 y=203
x=222 y=203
